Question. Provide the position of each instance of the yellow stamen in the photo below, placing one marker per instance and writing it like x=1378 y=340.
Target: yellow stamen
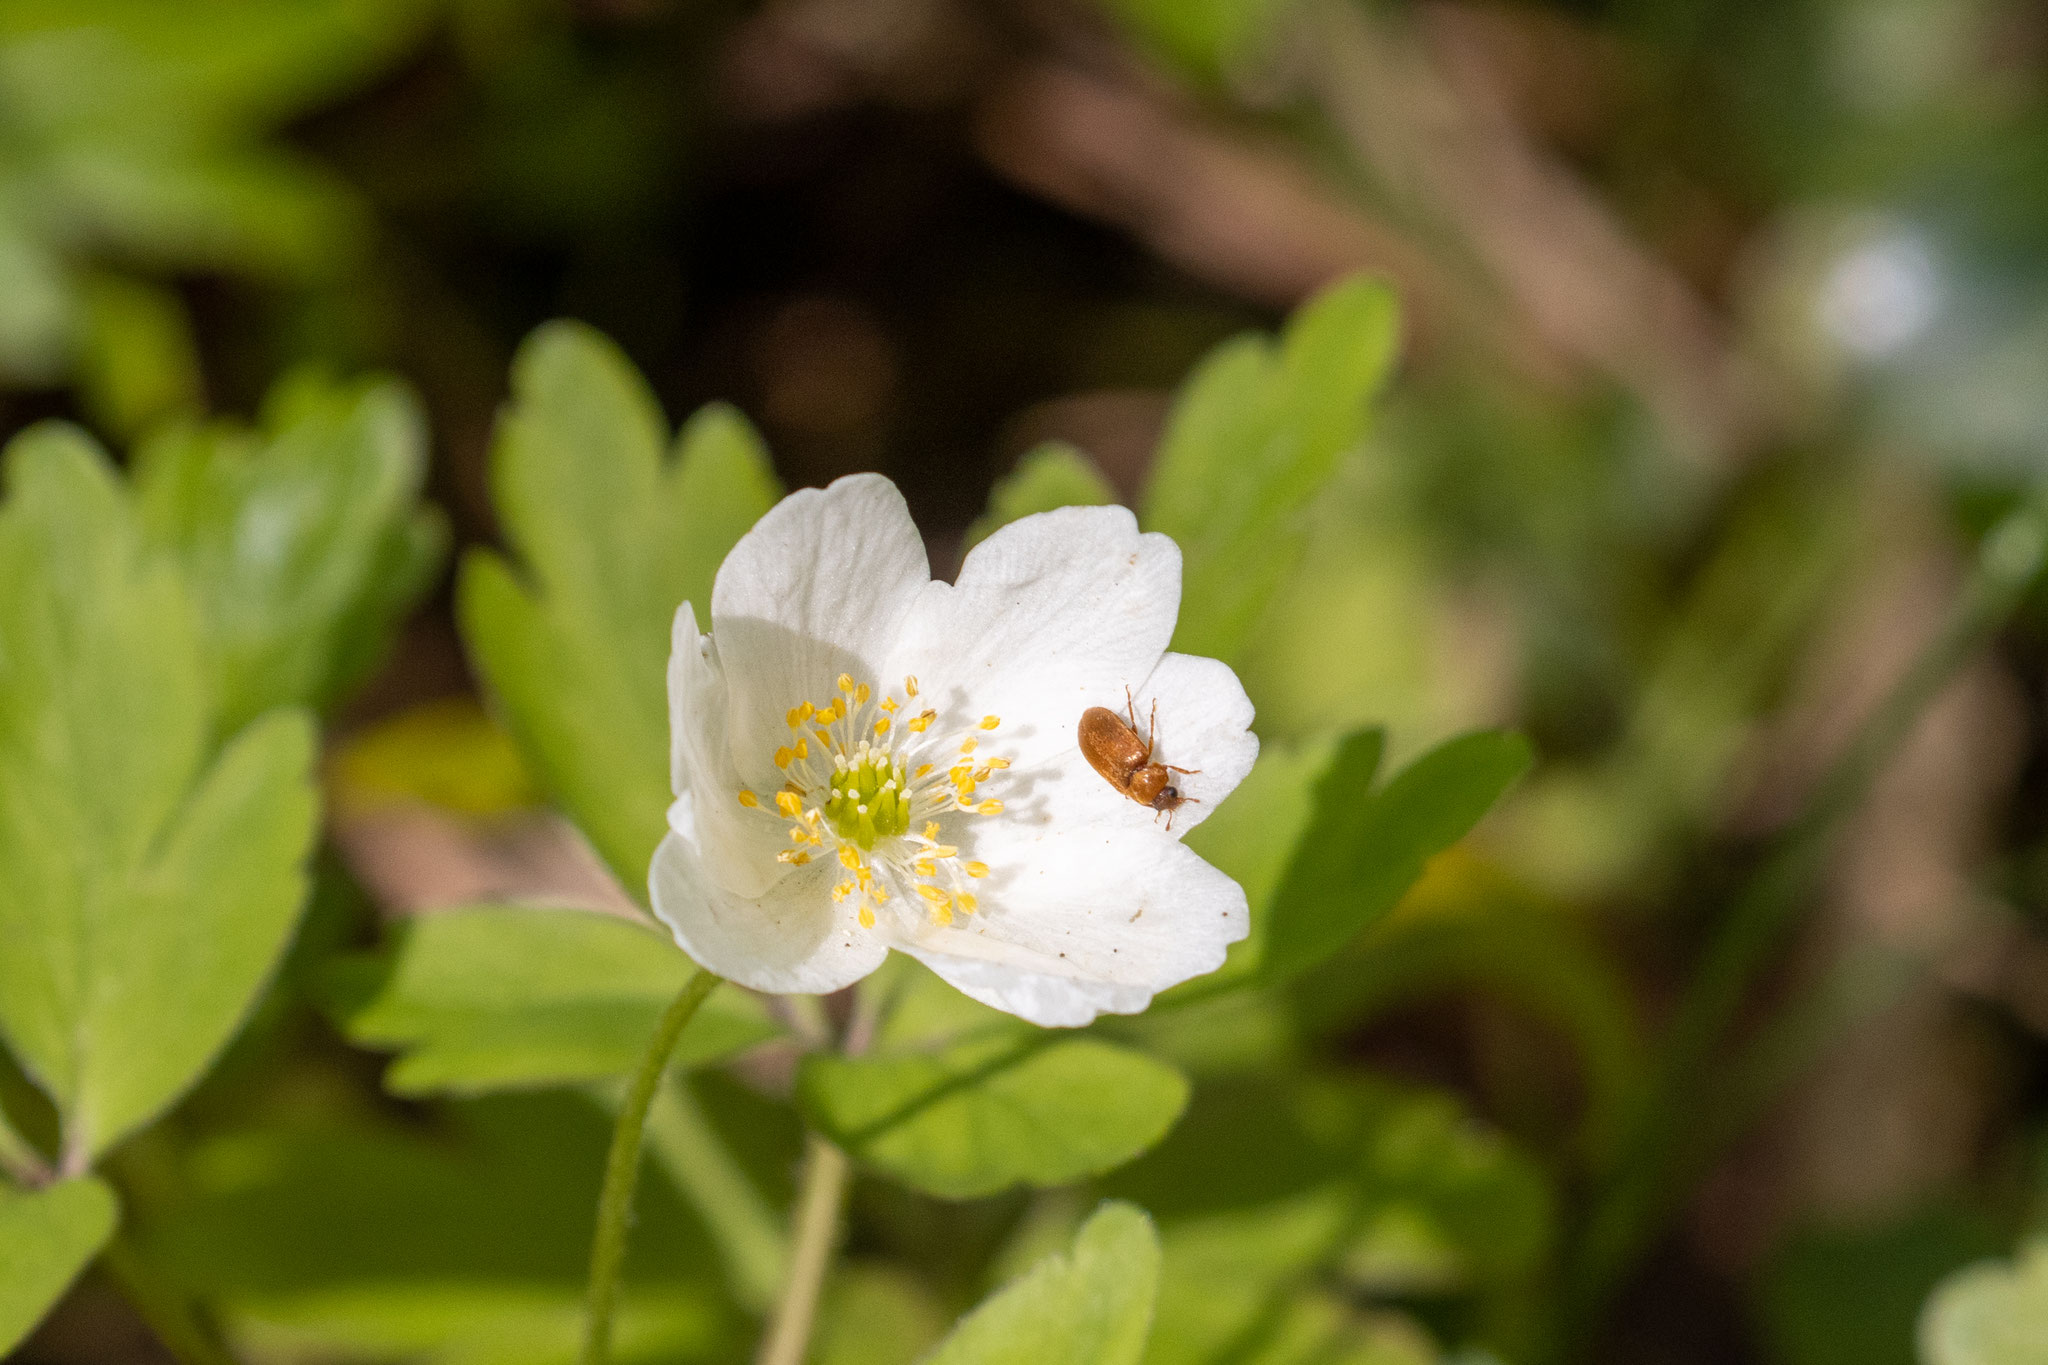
x=991 y=722
x=748 y=799
x=889 y=705
x=921 y=722
x=931 y=830
x=795 y=857
x=977 y=869
x=803 y=749
x=851 y=859
x=967 y=745
x=967 y=903
x=787 y=803
x=882 y=726
x=861 y=695
x=997 y=763
x=783 y=757
x=867 y=918
x=842 y=891
x=925 y=867
x=910 y=684
x=923 y=768
x=799 y=714
x=989 y=808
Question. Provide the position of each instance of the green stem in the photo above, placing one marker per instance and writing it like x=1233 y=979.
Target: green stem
x=817 y=1229
x=622 y=1169
x=174 y=1319
x=748 y=1236
x=1644 y=1188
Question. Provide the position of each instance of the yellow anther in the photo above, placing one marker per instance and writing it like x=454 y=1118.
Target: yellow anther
x=967 y=745
x=968 y=905
x=997 y=763
x=910 y=684
x=799 y=835
x=877 y=890
x=882 y=726
x=748 y=799
x=942 y=851
x=931 y=830
x=861 y=695
x=932 y=894
x=977 y=869
x=846 y=682
x=942 y=914
x=989 y=808
x=783 y=757
x=889 y=705
x=921 y=722
x=981 y=773
x=842 y=891
x=799 y=714
x=803 y=748
x=925 y=867
x=851 y=859
x=824 y=738
x=923 y=769
x=867 y=918
x=788 y=804
x=991 y=722
x=795 y=857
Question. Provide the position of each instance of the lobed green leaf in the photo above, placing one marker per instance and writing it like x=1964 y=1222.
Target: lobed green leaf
x=992 y=1110
x=1255 y=435
x=147 y=888
x=498 y=997
x=610 y=534
x=46 y=1238
x=1364 y=849
x=1090 y=1307
x=1994 y=1313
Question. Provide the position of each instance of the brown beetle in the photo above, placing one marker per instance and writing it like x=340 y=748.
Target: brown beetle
x=1113 y=749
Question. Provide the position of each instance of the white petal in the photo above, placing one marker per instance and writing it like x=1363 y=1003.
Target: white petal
x=1051 y=614
x=795 y=940
x=819 y=587
x=1203 y=722
x=1096 y=921
x=738 y=845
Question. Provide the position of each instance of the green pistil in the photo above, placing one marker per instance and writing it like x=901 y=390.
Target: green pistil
x=867 y=802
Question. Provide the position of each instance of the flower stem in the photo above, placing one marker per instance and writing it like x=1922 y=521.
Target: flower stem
x=817 y=1228
x=176 y=1323
x=622 y=1169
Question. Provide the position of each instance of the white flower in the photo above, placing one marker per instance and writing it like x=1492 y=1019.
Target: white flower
x=866 y=759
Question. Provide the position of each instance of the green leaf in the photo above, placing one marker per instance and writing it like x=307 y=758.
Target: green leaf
x=993 y=1110
x=1255 y=435
x=46 y=1237
x=138 y=361
x=1049 y=476
x=145 y=893
x=611 y=535
x=303 y=543
x=1990 y=1314
x=1092 y=1307
x=463 y=1242
x=1364 y=849
x=496 y=997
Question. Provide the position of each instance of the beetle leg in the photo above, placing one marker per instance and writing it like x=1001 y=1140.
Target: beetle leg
x=1189 y=771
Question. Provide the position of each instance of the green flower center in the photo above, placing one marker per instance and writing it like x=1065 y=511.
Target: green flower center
x=870 y=796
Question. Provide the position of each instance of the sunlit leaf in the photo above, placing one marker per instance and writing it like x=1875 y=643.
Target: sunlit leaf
x=147 y=887
x=46 y=1237
x=1092 y=1307
x=1363 y=849
x=495 y=997
x=611 y=532
x=1990 y=1314
x=1256 y=434
x=304 y=542
x=994 y=1110
x=1050 y=476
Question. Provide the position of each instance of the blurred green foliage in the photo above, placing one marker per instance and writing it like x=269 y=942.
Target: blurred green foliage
x=1376 y=1134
